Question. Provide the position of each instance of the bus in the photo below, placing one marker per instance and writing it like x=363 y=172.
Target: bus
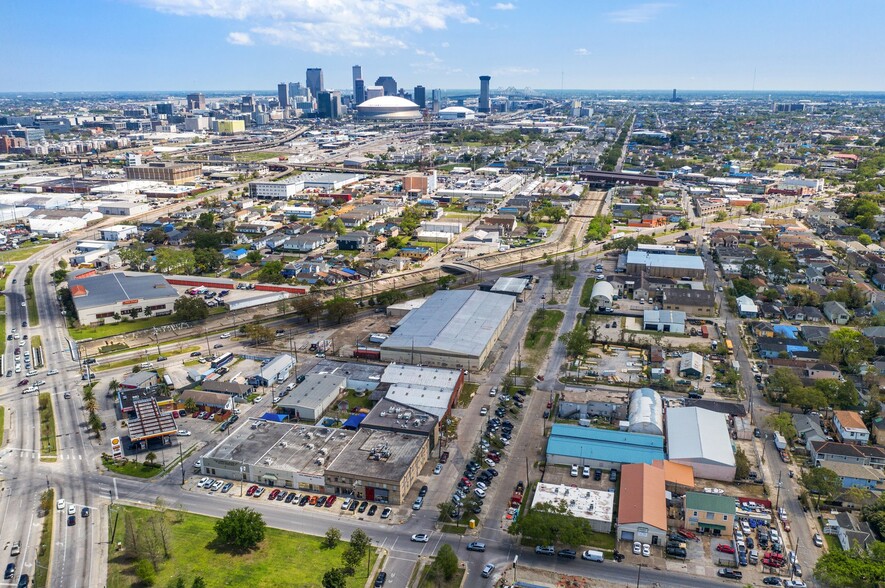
x=168 y=381
x=729 y=346
x=223 y=360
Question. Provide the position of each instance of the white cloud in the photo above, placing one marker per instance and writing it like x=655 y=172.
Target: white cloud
x=326 y=26
x=444 y=44
x=236 y=38
x=433 y=57
x=638 y=14
x=582 y=52
x=514 y=71
x=504 y=6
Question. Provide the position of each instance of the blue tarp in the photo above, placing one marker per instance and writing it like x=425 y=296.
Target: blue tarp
x=788 y=331
x=353 y=422
x=272 y=416
x=794 y=348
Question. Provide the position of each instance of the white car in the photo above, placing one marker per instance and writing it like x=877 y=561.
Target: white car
x=438 y=469
x=18 y=368
x=637 y=548
x=24 y=304
x=217 y=486
x=257 y=399
x=574 y=473
x=225 y=335
x=60 y=505
x=52 y=372
x=646 y=550
x=72 y=509
x=202 y=482
x=420 y=538
x=184 y=433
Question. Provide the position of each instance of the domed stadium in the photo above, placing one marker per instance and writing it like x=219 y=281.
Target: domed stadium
x=391 y=108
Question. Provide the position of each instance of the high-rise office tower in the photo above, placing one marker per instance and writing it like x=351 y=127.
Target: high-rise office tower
x=485 y=104
x=196 y=101
x=674 y=95
x=295 y=89
x=359 y=91
x=435 y=100
x=329 y=104
x=166 y=108
x=247 y=104
x=315 y=81
x=388 y=83
x=419 y=97
x=283 y=95
x=357 y=71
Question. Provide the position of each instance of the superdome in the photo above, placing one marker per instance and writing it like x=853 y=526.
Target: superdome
x=388 y=108
x=646 y=412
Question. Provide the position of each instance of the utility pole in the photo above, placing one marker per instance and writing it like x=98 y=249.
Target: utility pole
x=778 y=498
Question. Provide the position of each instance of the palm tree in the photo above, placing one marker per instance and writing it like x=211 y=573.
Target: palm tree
x=91 y=404
x=95 y=424
x=151 y=457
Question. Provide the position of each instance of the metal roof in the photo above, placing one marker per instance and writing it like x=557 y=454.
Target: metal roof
x=646 y=412
x=459 y=322
x=692 y=262
x=603 y=444
x=664 y=316
x=698 y=434
x=115 y=287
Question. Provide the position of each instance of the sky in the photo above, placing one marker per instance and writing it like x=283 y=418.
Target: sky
x=180 y=45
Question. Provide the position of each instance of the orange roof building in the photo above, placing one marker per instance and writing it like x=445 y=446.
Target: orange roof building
x=676 y=474
x=642 y=507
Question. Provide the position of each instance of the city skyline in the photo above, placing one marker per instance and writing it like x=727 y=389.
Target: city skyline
x=159 y=44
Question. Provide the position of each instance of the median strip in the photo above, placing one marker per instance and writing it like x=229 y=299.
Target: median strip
x=48 y=446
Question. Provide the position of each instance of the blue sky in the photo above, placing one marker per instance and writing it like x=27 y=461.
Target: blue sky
x=81 y=45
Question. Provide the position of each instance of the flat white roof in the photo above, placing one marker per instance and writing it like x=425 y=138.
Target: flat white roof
x=585 y=503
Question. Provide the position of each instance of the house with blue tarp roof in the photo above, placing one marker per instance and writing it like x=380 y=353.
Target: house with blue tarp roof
x=788 y=331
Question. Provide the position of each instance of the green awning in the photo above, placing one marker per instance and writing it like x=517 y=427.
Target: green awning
x=274 y=477
x=711 y=526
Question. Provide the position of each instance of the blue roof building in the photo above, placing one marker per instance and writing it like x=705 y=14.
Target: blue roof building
x=601 y=448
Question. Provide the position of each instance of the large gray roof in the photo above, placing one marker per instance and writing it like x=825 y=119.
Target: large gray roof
x=104 y=289
x=460 y=322
x=698 y=434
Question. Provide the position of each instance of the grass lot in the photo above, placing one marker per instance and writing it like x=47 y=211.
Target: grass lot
x=2 y=330
x=783 y=166
x=113 y=347
x=282 y=559
x=259 y=156
x=132 y=468
x=455 y=582
x=48 y=446
x=467 y=392
x=433 y=246
x=47 y=504
x=354 y=401
x=33 y=316
x=539 y=335
x=586 y=290
x=136 y=360
x=102 y=331
x=832 y=542
x=25 y=251
x=2 y=411
x=36 y=341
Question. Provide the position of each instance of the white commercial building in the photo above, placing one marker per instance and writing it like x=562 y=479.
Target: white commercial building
x=281 y=190
x=597 y=506
x=310 y=399
x=109 y=298
x=432 y=390
x=699 y=438
x=118 y=233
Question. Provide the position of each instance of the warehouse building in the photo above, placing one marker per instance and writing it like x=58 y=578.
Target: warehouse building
x=431 y=390
x=108 y=298
x=646 y=412
x=693 y=302
x=379 y=466
x=691 y=365
x=601 y=448
x=663 y=265
x=699 y=438
x=168 y=173
x=453 y=328
x=667 y=321
x=602 y=296
x=310 y=399
x=642 y=504
x=275 y=371
x=277 y=454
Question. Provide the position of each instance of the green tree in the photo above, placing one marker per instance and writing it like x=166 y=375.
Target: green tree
x=206 y=221
x=177 y=583
x=851 y=569
x=272 y=273
x=151 y=457
x=156 y=236
x=684 y=224
x=309 y=307
x=743 y=287
x=199 y=582
x=848 y=348
x=446 y=511
x=782 y=422
x=174 y=261
x=742 y=465
x=332 y=537
x=445 y=564
x=545 y=524
x=242 y=528
x=755 y=208
x=841 y=395
x=336 y=225
x=720 y=216
x=821 y=481
x=357 y=549
x=59 y=276
x=874 y=514
x=576 y=341
x=188 y=308
x=207 y=260
x=145 y=572
x=62 y=264
x=136 y=255
x=335 y=578
x=340 y=308
x=254 y=256
x=782 y=382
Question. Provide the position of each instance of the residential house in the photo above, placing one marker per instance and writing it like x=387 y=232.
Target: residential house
x=829 y=451
x=814 y=334
x=353 y=241
x=836 y=312
x=809 y=430
x=853 y=533
x=234 y=254
x=693 y=302
x=305 y=243
x=746 y=307
x=710 y=512
x=855 y=475
x=823 y=371
x=241 y=271
x=420 y=253
x=850 y=427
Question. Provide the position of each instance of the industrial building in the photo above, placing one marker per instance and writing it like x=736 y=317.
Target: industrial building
x=693 y=302
x=453 y=328
x=646 y=412
x=602 y=296
x=664 y=265
x=511 y=286
x=597 y=506
x=277 y=454
x=168 y=173
x=275 y=371
x=312 y=397
x=699 y=438
x=456 y=113
x=667 y=321
x=601 y=448
x=431 y=390
x=691 y=365
x=388 y=108
x=379 y=466
x=108 y=298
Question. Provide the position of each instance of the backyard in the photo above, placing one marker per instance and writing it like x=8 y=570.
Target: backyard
x=282 y=559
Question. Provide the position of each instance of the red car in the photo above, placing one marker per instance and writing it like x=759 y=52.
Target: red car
x=275 y=492
x=444 y=457
x=330 y=501
x=725 y=548
x=251 y=490
x=494 y=458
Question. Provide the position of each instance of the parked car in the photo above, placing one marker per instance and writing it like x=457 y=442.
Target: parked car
x=724 y=548
x=727 y=573
x=380 y=579
x=476 y=546
x=385 y=514
x=545 y=550
x=567 y=553
x=420 y=537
